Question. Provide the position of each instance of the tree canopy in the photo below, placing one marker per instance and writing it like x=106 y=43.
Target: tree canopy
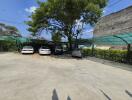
x=63 y=15
x=56 y=37
x=8 y=30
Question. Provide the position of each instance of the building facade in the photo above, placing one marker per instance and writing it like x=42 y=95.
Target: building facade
x=115 y=23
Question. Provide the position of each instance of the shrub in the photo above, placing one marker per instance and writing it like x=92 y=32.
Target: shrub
x=87 y=52
x=8 y=46
x=113 y=55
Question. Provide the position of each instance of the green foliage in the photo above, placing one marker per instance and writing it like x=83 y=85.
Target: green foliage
x=61 y=15
x=8 y=46
x=87 y=52
x=12 y=28
x=113 y=55
x=2 y=24
x=56 y=37
x=8 y=30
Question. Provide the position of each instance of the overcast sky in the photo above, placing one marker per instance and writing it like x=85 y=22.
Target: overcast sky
x=15 y=12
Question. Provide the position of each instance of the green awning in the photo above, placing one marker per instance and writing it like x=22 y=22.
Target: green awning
x=23 y=40
x=7 y=38
x=117 y=39
x=12 y=38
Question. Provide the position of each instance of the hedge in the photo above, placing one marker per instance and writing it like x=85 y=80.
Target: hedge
x=113 y=55
x=8 y=46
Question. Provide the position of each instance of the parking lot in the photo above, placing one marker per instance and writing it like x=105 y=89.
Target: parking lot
x=35 y=77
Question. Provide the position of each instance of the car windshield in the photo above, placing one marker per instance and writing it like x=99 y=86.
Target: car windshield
x=28 y=47
x=44 y=47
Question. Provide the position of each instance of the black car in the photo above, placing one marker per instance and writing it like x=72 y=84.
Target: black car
x=58 y=50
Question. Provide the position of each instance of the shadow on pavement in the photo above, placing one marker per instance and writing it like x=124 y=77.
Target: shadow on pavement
x=65 y=57
x=55 y=96
x=128 y=93
x=1 y=52
x=68 y=98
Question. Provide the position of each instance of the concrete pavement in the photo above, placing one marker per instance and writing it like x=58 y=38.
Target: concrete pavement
x=34 y=77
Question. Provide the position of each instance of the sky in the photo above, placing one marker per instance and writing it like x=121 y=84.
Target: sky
x=16 y=12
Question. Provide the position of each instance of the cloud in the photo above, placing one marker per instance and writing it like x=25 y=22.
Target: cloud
x=90 y=31
x=104 y=11
x=87 y=34
x=79 y=23
x=31 y=9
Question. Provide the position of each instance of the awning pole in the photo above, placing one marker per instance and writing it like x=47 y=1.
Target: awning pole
x=93 y=46
x=128 y=53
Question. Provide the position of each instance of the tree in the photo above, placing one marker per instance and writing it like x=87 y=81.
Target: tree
x=62 y=16
x=56 y=37
x=12 y=28
x=8 y=30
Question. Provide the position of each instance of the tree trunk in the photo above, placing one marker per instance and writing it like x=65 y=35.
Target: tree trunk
x=70 y=43
x=76 y=42
x=69 y=38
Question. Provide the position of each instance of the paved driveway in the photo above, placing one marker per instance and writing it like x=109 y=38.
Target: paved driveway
x=34 y=77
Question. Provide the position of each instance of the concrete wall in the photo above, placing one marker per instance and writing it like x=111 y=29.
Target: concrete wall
x=119 y=22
